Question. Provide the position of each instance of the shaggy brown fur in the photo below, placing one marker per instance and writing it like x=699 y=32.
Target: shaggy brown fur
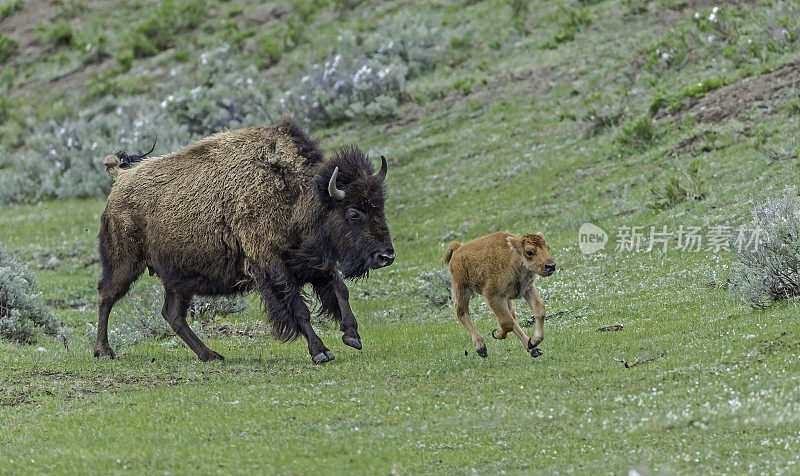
x=501 y=267
x=241 y=210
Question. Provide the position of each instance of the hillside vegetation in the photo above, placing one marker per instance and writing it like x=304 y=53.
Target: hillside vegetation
x=494 y=115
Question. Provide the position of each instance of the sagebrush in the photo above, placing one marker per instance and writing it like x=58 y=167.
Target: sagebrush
x=767 y=270
x=23 y=315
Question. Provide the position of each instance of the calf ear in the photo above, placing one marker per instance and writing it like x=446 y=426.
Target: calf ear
x=515 y=243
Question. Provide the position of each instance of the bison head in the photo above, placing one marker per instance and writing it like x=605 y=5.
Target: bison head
x=534 y=253
x=352 y=194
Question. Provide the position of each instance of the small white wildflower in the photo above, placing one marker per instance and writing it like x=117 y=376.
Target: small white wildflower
x=94 y=146
x=172 y=72
x=170 y=98
x=714 y=10
x=665 y=56
x=204 y=58
x=303 y=97
x=195 y=90
x=697 y=14
x=304 y=79
x=88 y=47
x=249 y=81
x=712 y=17
x=710 y=38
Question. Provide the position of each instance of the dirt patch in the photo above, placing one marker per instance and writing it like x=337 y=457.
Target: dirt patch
x=256 y=330
x=731 y=100
x=29 y=386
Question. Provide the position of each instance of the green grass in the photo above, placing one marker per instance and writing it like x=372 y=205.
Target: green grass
x=722 y=398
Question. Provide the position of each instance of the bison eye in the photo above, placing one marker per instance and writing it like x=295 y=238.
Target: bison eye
x=529 y=252
x=354 y=215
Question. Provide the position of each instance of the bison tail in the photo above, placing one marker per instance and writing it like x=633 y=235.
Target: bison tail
x=454 y=245
x=120 y=158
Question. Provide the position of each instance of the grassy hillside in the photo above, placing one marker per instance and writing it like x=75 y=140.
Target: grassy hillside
x=507 y=116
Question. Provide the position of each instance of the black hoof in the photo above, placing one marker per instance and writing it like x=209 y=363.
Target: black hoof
x=323 y=357
x=536 y=352
x=104 y=353
x=352 y=342
x=482 y=352
x=210 y=355
x=530 y=345
x=493 y=336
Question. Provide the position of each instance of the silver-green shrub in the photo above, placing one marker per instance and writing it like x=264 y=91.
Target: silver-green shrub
x=367 y=78
x=64 y=159
x=767 y=271
x=435 y=286
x=206 y=307
x=23 y=315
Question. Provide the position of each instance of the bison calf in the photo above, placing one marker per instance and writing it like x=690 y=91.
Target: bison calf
x=501 y=267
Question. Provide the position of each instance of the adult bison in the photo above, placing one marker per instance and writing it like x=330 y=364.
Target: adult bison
x=250 y=209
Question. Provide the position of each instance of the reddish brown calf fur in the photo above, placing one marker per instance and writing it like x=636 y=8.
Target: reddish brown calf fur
x=501 y=267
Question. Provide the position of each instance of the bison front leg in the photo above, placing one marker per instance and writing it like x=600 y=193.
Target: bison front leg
x=335 y=299
x=287 y=311
x=319 y=353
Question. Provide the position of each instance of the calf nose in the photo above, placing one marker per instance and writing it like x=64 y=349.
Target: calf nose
x=384 y=258
x=550 y=267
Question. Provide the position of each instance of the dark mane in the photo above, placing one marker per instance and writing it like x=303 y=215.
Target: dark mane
x=352 y=162
x=306 y=146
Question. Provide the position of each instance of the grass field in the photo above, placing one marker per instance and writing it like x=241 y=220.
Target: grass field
x=542 y=130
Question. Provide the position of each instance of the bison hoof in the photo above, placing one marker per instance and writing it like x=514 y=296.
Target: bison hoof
x=323 y=357
x=536 y=352
x=104 y=352
x=481 y=351
x=210 y=355
x=353 y=342
x=495 y=337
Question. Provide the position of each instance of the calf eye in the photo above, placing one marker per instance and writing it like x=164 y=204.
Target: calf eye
x=529 y=252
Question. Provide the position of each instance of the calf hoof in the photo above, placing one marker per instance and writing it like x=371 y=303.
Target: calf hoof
x=535 y=352
x=481 y=351
x=208 y=355
x=353 y=342
x=323 y=357
x=104 y=352
x=495 y=337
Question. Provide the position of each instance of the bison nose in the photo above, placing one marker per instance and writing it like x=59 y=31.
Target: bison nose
x=384 y=258
x=550 y=267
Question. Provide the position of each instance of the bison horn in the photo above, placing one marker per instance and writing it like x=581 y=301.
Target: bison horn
x=382 y=172
x=334 y=192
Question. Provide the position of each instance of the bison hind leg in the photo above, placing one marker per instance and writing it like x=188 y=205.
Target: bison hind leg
x=115 y=282
x=174 y=311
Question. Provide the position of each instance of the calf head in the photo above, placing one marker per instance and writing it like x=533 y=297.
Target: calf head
x=352 y=193
x=534 y=253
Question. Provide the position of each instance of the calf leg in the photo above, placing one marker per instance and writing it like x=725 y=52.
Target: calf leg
x=533 y=350
x=335 y=299
x=503 y=313
x=537 y=306
x=461 y=297
x=174 y=311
